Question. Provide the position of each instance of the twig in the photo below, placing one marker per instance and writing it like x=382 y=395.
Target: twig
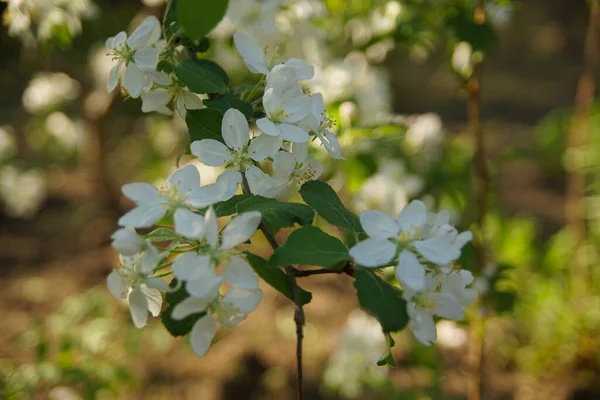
x=577 y=139
x=299 y=317
x=475 y=354
x=347 y=269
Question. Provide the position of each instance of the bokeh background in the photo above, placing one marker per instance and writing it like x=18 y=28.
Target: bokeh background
x=397 y=77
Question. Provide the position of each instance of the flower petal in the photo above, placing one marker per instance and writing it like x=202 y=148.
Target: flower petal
x=267 y=127
x=146 y=59
x=413 y=216
x=296 y=108
x=189 y=224
x=237 y=272
x=212 y=228
x=303 y=69
x=143 y=216
x=253 y=55
x=187 y=307
x=409 y=271
x=284 y=164
x=133 y=81
x=373 y=252
x=202 y=335
x=206 y=287
x=186 y=180
x=146 y=34
x=154 y=300
x=244 y=300
x=235 y=130
x=142 y=193
x=211 y=152
x=422 y=326
x=437 y=250
x=138 y=307
x=447 y=307
x=113 y=77
x=240 y=229
x=191 y=266
x=155 y=100
x=117 y=286
x=379 y=225
x=264 y=146
x=293 y=133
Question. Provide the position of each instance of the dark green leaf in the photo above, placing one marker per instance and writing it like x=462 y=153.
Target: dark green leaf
x=204 y=124
x=310 y=245
x=161 y=235
x=199 y=17
x=276 y=278
x=178 y=327
x=276 y=214
x=224 y=103
x=382 y=300
x=212 y=66
x=323 y=199
x=170 y=13
x=201 y=76
x=387 y=358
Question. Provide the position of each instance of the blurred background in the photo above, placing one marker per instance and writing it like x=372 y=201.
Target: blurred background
x=402 y=80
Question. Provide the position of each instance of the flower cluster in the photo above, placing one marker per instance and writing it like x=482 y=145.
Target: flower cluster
x=425 y=246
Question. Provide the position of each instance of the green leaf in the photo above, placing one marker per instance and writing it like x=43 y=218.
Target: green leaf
x=276 y=278
x=161 y=235
x=310 y=245
x=212 y=66
x=170 y=13
x=323 y=199
x=387 y=358
x=178 y=327
x=224 y=103
x=199 y=17
x=382 y=300
x=201 y=76
x=276 y=214
x=204 y=124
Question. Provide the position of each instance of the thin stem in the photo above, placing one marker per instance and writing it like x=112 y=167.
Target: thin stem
x=299 y=317
x=577 y=140
x=475 y=354
x=347 y=269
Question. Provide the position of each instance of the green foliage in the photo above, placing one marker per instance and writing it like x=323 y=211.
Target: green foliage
x=382 y=300
x=224 y=103
x=387 y=358
x=202 y=76
x=161 y=235
x=204 y=124
x=178 y=327
x=275 y=213
x=481 y=37
x=199 y=17
x=323 y=199
x=276 y=278
x=310 y=245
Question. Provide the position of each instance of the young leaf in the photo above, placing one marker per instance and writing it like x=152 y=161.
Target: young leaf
x=211 y=65
x=387 y=358
x=310 y=245
x=201 y=77
x=204 y=124
x=275 y=213
x=161 y=235
x=178 y=327
x=323 y=199
x=382 y=300
x=199 y=17
x=224 y=103
x=276 y=278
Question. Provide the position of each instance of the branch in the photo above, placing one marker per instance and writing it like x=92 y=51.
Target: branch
x=347 y=269
x=299 y=317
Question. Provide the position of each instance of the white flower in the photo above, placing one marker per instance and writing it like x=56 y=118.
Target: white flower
x=387 y=236
x=127 y=242
x=264 y=185
x=181 y=193
x=259 y=61
x=133 y=281
x=319 y=122
x=283 y=113
x=295 y=167
x=168 y=88
x=236 y=153
x=136 y=53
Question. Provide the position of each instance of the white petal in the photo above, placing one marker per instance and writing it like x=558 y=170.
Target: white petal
x=240 y=229
x=423 y=327
x=437 y=250
x=331 y=144
x=317 y=106
x=186 y=180
x=154 y=300
x=189 y=306
x=155 y=100
x=146 y=59
x=267 y=127
x=146 y=34
x=373 y=252
x=235 y=130
x=207 y=287
x=126 y=241
x=244 y=300
x=138 y=307
x=117 y=41
x=413 y=216
x=282 y=78
x=211 y=152
x=303 y=69
x=237 y=272
x=409 y=271
x=462 y=239
x=192 y=101
x=212 y=228
x=202 y=335
x=228 y=181
x=225 y=187
x=379 y=225
x=293 y=133
x=117 y=286
x=272 y=100
x=300 y=151
x=191 y=266
x=142 y=193
x=296 y=108
x=113 y=77
x=253 y=55
x=149 y=259
x=447 y=307
x=284 y=164
x=466 y=277
x=133 y=81
x=229 y=316
x=264 y=146
x=189 y=224
x=158 y=284
x=143 y=216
